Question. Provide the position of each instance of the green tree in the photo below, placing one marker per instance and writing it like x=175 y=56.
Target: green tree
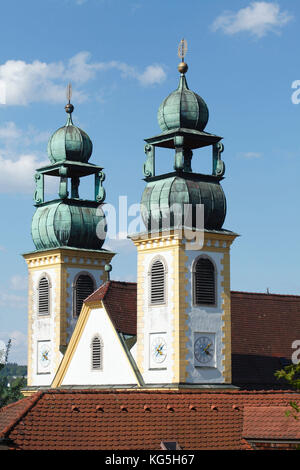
x=10 y=389
x=291 y=374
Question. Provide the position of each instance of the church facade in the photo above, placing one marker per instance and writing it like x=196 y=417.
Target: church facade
x=171 y=347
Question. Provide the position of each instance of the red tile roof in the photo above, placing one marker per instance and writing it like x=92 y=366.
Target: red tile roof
x=270 y=422
x=263 y=328
x=10 y=414
x=142 y=419
x=119 y=299
x=264 y=324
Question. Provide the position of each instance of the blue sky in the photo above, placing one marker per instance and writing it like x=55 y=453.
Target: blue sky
x=121 y=57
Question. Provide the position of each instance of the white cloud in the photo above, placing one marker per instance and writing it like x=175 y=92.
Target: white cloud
x=9 y=131
x=153 y=74
x=250 y=155
x=17 y=165
x=17 y=175
x=258 y=19
x=13 y=137
x=39 y=81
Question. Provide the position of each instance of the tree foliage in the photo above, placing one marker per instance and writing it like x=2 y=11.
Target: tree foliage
x=291 y=374
x=10 y=387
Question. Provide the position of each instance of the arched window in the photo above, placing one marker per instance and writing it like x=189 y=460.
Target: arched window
x=44 y=296
x=84 y=286
x=204 y=282
x=97 y=353
x=158 y=281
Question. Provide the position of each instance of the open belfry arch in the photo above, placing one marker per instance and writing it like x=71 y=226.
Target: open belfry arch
x=69 y=262
x=185 y=337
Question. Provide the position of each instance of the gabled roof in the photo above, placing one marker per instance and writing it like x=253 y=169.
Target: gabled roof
x=119 y=299
x=142 y=419
x=128 y=370
x=263 y=329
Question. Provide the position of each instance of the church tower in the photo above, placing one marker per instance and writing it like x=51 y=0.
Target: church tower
x=69 y=262
x=183 y=297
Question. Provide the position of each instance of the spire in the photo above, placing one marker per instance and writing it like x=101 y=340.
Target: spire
x=182 y=50
x=69 y=107
x=69 y=143
x=182 y=109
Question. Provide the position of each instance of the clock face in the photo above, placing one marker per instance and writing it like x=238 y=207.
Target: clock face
x=204 y=349
x=159 y=349
x=45 y=356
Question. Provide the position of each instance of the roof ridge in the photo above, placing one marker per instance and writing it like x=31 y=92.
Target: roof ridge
x=198 y=391
x=22 y=413
x=104 y=286
x=123 y=282
x=264 y=293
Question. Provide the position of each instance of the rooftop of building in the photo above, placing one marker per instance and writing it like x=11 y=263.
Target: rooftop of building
x=138 y=419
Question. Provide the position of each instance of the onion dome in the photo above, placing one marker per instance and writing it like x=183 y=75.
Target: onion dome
x=183 y=108
x=69 y=142
x=69 y=223
x=172 y=202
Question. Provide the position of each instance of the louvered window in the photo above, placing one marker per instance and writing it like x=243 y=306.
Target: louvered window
x=84 y=287
x=43 y=290
x=96 y=353
x=157 y=283
x=204 y=283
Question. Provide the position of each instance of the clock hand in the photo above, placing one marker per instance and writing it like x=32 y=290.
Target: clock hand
x=206 y=349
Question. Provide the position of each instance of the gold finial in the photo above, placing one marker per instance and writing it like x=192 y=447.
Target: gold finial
x=69 y=107
x=182 y=50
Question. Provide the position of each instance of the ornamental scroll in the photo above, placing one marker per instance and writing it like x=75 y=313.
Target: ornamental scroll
x=218 y=164
x=39 y=188
x=100 y=193
x=149 y=165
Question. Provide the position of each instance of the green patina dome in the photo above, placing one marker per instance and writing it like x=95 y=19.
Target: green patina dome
x=69 y=143
x=79 y=224
x=183 y=108
x=163 y=199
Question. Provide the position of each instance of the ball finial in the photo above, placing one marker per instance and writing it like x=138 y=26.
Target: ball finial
x=182 y=67
x=69 y=108
x=108 y=268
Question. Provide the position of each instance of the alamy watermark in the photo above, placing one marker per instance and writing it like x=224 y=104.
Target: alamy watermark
x=296 y=353
x=185 y=220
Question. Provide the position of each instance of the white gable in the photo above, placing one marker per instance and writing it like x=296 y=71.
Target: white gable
x=116 y=368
